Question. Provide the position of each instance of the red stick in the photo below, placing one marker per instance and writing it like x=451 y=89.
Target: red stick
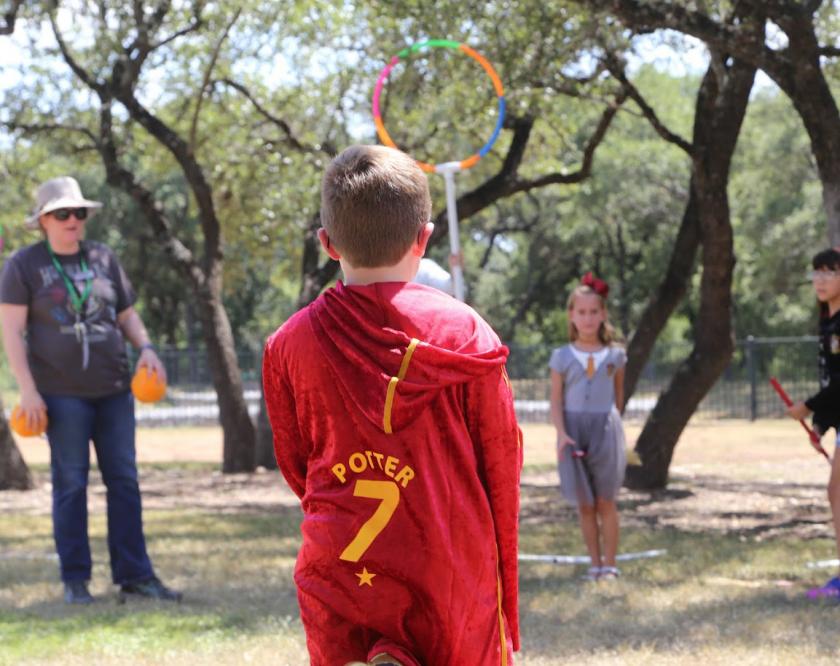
x=815 y=439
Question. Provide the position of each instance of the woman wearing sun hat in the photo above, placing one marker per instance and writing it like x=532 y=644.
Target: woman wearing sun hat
x=65 y=311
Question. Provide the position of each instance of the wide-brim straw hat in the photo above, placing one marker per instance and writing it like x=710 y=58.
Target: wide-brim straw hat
x=58 y=193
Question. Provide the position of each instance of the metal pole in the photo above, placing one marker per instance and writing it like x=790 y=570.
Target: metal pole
x=448 y=170
x=751 y=369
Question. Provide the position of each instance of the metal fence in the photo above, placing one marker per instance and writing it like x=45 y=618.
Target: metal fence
x=190 y=398
x=742 y=392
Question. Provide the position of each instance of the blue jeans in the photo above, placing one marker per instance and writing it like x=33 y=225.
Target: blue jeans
x=109 y=422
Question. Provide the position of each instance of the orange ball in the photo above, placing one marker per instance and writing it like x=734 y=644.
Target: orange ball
x=147 y=386
x=20 y=426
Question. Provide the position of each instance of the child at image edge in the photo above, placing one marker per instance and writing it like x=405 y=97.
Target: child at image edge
x=825 y=404
x=393 y=422
x=586 y=394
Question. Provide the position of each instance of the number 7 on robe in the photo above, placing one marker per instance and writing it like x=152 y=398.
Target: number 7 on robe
x=446 y=169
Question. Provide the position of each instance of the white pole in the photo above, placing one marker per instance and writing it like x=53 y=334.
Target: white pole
x=448 y=170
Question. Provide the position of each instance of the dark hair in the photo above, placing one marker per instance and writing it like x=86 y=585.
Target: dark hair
x=829 y=258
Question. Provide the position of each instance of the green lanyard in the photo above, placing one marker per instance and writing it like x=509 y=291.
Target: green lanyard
x=77 y=299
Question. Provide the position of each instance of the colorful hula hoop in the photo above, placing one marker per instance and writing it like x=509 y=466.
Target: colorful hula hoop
x=440 y=43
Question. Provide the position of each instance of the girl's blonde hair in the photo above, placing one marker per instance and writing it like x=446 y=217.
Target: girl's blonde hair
x=606 y=332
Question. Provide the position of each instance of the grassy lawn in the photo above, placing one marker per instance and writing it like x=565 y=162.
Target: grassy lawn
x=743 y=516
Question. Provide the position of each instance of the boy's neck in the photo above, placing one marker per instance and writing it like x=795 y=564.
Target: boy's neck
x=402 y=271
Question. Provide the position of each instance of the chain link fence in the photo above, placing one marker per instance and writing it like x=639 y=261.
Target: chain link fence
x=190 y=397
x=742 y=392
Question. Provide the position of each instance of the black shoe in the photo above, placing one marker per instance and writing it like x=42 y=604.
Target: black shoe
x=76 y=592
x=151 y=589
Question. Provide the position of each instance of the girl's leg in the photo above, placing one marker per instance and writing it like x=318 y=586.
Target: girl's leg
x=589 y=529
x=832 y=587
x=834 y=495
x=608 y=513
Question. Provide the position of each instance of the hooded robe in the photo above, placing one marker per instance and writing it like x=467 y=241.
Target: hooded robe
x=393 y=421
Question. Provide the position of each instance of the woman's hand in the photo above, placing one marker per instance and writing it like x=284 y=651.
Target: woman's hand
x=152 y=362
x=34 y=407
x=798 y=411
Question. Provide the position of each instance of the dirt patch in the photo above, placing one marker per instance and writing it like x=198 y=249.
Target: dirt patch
x=755 y=479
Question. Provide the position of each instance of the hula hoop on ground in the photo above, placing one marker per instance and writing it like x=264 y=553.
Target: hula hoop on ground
x=584 y=559
x=441 y=43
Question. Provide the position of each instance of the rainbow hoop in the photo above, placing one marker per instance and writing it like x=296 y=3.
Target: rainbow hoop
x=441 y=43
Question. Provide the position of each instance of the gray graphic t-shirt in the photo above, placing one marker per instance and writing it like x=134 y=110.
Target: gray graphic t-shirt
x=54 y=345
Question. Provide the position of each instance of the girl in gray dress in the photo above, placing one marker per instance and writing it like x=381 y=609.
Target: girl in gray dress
x=586 y=395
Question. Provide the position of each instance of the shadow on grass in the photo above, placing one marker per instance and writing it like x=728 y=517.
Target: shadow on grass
x=593 y=621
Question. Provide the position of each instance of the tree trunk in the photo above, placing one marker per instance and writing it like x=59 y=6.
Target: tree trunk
x=721 y=105
x=14 y=474
x=265 y=437
x=314 y=275
x=239 y=434
x=667 y=297
x=796 y=68
x=813 y=100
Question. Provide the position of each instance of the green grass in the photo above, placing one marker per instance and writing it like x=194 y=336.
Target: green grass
x=234 y=569
x=722 y=595
x=711 y=595
x=712 y=599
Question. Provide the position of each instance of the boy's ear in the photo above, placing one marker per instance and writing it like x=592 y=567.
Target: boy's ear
x=329 y=248
x=423 y=236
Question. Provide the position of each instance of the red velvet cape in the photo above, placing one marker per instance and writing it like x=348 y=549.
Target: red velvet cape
x=393 y=422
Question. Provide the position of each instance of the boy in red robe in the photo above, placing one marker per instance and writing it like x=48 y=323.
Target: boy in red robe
x=393 y=422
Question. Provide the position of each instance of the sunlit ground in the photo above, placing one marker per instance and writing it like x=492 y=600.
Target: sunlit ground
x=744 y=514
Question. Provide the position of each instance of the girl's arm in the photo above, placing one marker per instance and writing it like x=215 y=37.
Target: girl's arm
x=13 y=323
x=563 y=440
x=618 y=380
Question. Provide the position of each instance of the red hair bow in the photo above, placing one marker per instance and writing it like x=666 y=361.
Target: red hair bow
x=596 y=284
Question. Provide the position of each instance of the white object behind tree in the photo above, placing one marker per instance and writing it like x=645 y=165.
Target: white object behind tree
x=434 y=275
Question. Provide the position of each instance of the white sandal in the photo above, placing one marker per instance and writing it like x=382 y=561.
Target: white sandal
x=592 y=574
x=609 y=573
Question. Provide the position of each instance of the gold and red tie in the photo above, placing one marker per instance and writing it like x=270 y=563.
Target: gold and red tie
x=590 y=367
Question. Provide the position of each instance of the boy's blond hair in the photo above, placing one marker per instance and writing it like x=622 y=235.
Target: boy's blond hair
x=374 y=201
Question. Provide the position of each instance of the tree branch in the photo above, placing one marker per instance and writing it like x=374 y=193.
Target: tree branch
x=192 y=27
x=588 y=154
x=118 y=176
x=179 y=149
x=291 y=139
x=47 y=128
x=617 y=71
x=142 y=46
x=644 y=16
x=77 y=69
x=498 y=231
x=10 y=17
x=788 y=8
x=506 y=182
x=829 y=51
x=206 y=81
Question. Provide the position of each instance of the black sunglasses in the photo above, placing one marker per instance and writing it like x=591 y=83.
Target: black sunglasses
x=63 y=214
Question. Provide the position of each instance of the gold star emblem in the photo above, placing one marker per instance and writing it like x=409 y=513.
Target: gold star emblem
x=365 y=577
